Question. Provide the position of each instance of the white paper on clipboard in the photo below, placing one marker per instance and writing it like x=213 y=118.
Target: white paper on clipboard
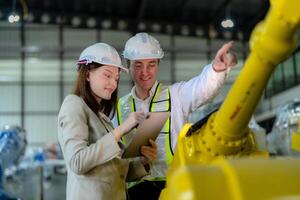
x=149 y=128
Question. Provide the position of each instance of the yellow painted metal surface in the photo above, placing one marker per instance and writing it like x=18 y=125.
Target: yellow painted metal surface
x=236 y=179
x=295 y=140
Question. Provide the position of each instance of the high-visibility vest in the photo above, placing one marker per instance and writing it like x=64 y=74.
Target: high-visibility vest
x=161 y=101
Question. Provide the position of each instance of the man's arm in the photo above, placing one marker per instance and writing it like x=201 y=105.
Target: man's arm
x=202 y=88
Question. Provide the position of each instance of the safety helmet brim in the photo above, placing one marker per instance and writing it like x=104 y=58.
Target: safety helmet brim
x=101 y=53
x=142 y=57
x=86 y=62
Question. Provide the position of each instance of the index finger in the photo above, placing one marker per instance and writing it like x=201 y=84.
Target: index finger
x=225 y=48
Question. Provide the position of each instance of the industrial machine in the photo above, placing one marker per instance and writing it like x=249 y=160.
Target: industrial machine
x=217 y=157
x=283 y=140
x=12 y=147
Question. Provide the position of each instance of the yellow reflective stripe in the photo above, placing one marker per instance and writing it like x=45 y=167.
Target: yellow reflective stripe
x=166 y=128
x=119 y=117
x=169 y=156
x=119 y=112
x=124 y=140
x=154 y=97
x=168 y=145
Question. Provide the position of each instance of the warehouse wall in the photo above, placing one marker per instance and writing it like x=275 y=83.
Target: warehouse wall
x=32 y=87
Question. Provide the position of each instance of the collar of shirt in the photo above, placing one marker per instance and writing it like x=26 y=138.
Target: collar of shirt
x=151 y=92
x=144 y=104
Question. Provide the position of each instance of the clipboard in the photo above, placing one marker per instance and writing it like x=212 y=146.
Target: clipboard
x=149 y=128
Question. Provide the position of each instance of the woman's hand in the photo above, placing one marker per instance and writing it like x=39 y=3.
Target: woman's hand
x=149 y=152
x=132 y=121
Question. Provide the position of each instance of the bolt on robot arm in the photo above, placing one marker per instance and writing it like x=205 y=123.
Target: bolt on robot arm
x=12 y=147
x=225 y=134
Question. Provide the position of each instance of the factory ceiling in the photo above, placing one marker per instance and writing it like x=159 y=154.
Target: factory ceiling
x=179 y=17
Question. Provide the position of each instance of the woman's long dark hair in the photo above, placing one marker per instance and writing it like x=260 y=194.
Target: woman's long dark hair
x=82 y=89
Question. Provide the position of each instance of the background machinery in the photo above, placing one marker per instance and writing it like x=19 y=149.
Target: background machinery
x=12 y=148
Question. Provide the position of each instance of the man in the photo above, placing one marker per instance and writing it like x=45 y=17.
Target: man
x=143 y=53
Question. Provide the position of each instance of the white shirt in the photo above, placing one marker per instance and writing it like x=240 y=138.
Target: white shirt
x=186 y=97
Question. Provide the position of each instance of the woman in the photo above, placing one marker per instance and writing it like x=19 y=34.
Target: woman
x=90 y=145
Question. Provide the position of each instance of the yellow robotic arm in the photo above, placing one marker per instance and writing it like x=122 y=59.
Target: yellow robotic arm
x=199 y=169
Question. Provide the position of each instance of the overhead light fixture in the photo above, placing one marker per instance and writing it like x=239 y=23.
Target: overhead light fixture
x=199 y=32
x=45 y=19
x=91 y=22
x=156 y=27
x=227 y=23
x=185 y=30
x=212 y=32
x=30 y=17
x=76 y=21
x=141 y=26
x=169 y=29
x=122 y=24
x=106 y=24
x=13 y=17
x=240 y=35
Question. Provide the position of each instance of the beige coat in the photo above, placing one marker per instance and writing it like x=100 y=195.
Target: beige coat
x=95 y=169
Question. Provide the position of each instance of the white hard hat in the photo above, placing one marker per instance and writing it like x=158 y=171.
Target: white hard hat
x=101 y=53
x=142 y=46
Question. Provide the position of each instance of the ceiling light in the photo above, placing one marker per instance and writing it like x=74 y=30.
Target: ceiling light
x=13 y=18
x=227 y=23
x=91 y=22
x=122 y=25
x=212 y=32
x=106 y=24
x=156 y=27
x=169 y=28
x=76 y=21
x=185 y=30
x=199 y=32
x=240 y=35
x=30 y=17
x=141 y=26
x=45 y=18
